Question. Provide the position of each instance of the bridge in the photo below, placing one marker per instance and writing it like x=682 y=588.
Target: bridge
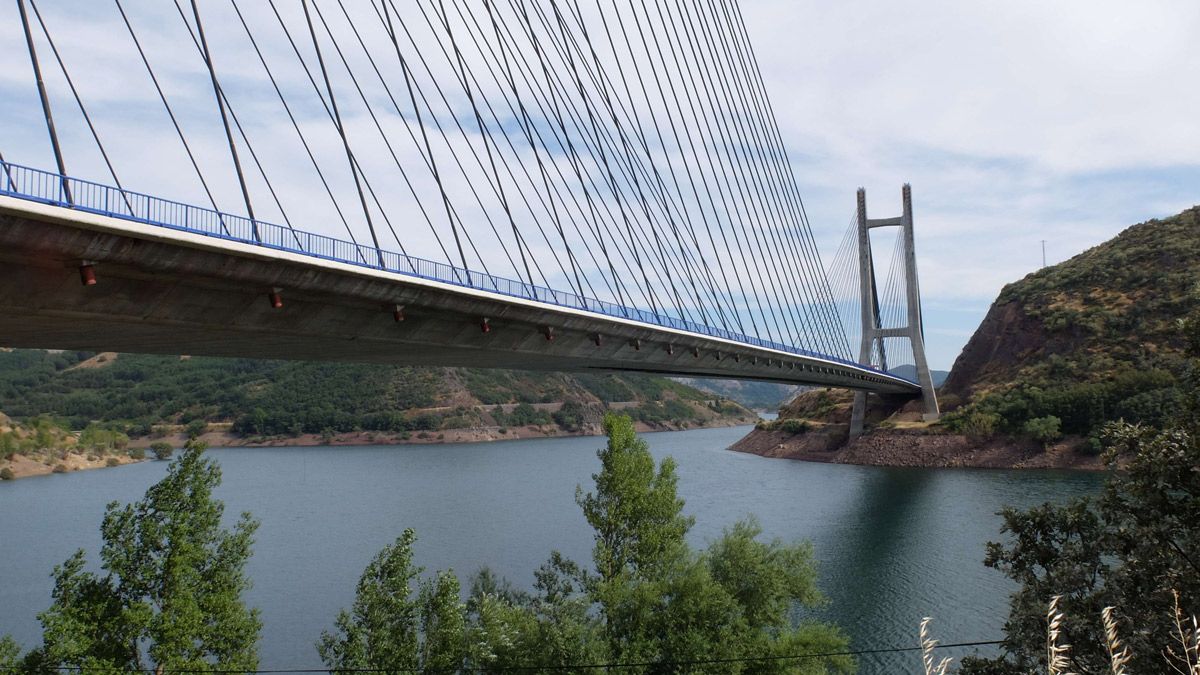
x=553 y=168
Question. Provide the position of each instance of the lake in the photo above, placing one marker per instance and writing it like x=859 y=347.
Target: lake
x=894 y=545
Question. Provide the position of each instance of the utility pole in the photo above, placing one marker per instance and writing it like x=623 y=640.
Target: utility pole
x=1043 y=254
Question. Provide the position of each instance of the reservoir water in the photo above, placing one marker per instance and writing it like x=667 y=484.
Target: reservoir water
x=894 y=545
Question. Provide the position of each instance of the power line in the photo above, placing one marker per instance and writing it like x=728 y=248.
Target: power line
x=615 y=665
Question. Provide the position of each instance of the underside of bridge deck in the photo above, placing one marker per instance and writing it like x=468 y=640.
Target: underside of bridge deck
x=163 y=291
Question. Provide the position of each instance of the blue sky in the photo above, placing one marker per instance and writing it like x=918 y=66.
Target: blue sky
x=1015 y=122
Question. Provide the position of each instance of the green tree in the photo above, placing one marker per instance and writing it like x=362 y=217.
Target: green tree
x=196 y=428
x=660 y=601
x=1045 y=430
x=1128 y=548
x=649 y=597
x=393 y=625
x=162 y=450
x=170 y=595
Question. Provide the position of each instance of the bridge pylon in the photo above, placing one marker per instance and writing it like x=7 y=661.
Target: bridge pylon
x=873 y=332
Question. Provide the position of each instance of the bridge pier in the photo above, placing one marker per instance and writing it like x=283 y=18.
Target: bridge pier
x=873 y=332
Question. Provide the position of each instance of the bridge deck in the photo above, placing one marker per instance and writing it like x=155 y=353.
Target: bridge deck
x=183 y=279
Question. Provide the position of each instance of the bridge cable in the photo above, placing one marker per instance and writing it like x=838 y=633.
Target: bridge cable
x=756 y=71
x=245 y=139
x=329 y=113
x=655 y=185
x=79 y=101
x=725 y=207
x=342 y=132
x=557 y=111
x=171 y=113
x=415 y=88
x=292 y=118
x=817 y=324
x=714 y=158
x=465 y=76
x=769 y=243
x=679 y=144
x=484 y=134
x=41 y=86
x=627 y=236
x=720 y=305
x=603 y=83
x=818 y=321
x=451 y=212
x=655 y=242
x=630 y=173
x=408 y=79
x=237 y=163
x=529 y=130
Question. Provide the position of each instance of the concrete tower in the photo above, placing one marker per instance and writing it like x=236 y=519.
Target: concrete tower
x=873 y=333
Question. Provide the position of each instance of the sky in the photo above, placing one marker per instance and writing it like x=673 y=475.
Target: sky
x=1016 y=123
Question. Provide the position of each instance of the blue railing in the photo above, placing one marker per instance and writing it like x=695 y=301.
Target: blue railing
x=48 y=188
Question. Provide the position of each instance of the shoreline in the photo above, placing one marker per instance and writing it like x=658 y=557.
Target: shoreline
x=23 y=466
x=915 y=448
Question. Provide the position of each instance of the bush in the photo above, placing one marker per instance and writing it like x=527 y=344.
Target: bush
x=979 y=425
x=1045 y=430
x=793 y=426
x=137 y=453
x=6 y=474
x=195 y=429
x=162 y=450
x=112 y=461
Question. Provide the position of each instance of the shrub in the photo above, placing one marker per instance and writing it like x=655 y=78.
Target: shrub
x=137 y=453
x=112 y=461
x=6 y=474
x=162 y=450
x=195 y=429
x=1045 y=430
x=979 y=425
x=793 y=426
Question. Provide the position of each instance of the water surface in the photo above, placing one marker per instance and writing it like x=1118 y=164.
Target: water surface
x=894 y=545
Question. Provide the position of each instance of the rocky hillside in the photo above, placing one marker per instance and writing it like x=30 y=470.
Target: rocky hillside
x=143 y=396
x=1110 y=310
x=1060 y=353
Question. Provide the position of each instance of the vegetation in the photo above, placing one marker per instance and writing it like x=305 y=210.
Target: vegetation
x=1131 y=548
x=131 y=395
x=648 y=597
x=162 y=450
x=1089 y=341
x=169 y=598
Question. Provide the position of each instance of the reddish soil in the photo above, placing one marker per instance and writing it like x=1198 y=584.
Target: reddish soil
x=914 y=447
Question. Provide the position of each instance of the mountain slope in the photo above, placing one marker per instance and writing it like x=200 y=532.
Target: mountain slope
x=136 y=393
x=1112 y=308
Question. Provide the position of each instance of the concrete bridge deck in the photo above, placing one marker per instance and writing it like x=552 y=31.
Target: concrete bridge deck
x=171 y=291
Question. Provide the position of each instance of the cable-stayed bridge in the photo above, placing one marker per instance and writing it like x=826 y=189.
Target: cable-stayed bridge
x=556 y=185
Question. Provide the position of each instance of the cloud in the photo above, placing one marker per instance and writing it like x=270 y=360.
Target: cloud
x=1015 y=122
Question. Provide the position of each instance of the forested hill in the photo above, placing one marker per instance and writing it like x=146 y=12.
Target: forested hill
x=1092 y=339
x=139 y=395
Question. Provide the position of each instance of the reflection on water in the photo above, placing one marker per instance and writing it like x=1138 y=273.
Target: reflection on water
x=893 y=544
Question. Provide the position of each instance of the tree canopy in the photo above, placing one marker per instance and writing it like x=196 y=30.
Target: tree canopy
x=170 y=597
x=648 y=599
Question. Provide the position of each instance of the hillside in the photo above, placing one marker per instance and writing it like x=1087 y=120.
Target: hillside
x=150 y=396
x=1089 y=340
x=1059 y=354
x=754 y=395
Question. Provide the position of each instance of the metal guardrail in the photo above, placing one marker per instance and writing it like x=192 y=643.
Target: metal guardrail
x=48 y=188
